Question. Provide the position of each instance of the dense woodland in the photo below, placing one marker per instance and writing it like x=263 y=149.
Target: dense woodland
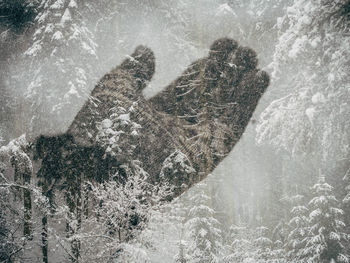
x=282 y=195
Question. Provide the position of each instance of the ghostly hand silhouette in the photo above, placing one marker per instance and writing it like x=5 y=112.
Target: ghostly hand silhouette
x=178 y=137
x=202 y=114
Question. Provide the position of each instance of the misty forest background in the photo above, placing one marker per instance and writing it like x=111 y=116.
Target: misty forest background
x=282 y=195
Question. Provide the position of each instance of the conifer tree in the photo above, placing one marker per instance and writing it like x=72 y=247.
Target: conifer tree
x=181 y=256
x=326 y=240
x=311 y=34
x=263 y=244
x=242 y=246
x=299 y=228
x=61 y=59
x=204 y=230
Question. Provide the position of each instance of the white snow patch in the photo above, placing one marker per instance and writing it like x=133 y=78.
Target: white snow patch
x=310 y=113
x=73 y=4
x=15 y=146
x=43 y=17
x=57 y=36
x=225 y=9
x=314 y=43
x=305 y=19
x=297 y=47
x=66 y=17
x=58 y=4
x=38 y=31
x=86 y=47
x=280 y=22
x=106 y=123
x=134 y=133
x=125 y=118
x=49 y=28
x=318 y=98
x=33 y=50
x=331 y=77
x=177 y=158
x=72 y=90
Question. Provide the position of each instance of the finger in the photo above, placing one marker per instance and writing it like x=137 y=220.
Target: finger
x=125 y=82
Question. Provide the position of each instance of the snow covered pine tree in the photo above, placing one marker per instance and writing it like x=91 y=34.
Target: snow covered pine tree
x=199 y=117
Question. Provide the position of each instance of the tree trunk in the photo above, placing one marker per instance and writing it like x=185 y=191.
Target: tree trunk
x=23 y=173
x=74 y=202
x=44 y=240
x=27 y=214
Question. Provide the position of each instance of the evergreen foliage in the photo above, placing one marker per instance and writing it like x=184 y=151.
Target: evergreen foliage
x=81 y=203
x=204 y=230
x=326 y=240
